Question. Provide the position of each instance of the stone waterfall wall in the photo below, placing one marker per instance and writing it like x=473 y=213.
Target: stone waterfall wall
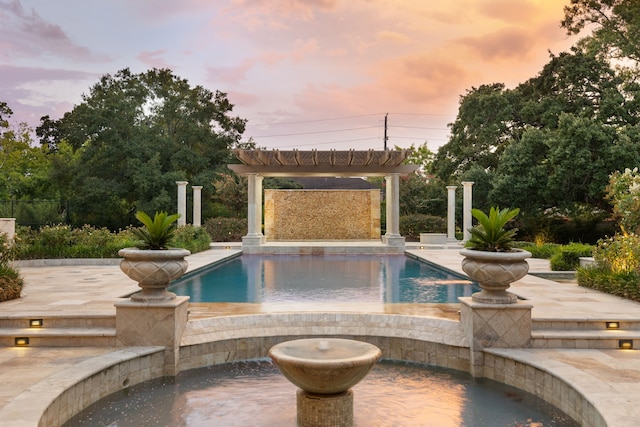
x=322 y=214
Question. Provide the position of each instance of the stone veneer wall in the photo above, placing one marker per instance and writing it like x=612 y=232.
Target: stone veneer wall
x=218 y=340
x=322 y=214
x=543 y=384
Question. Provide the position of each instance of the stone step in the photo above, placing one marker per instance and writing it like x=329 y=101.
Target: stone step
x=63 y=321
x=584 y=324
x=59 y=337
x=584 y=339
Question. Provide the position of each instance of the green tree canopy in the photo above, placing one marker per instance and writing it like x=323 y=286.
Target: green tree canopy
x=132 y=137
x=550 y=142
x=616 y=22
x=24 y=169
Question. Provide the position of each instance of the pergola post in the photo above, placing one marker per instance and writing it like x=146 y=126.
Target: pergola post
x=466 y=209
x=392 y=236
x=197 y=205
x=254 y=235
x=451 y=214
x=182 y=202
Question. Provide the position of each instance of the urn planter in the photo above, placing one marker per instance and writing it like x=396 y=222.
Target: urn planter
x=494 y=272
x=153 y=270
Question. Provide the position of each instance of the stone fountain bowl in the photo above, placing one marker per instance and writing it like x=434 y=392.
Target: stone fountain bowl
x=325 y=365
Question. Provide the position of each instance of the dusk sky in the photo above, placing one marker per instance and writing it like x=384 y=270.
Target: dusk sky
x=305 y=73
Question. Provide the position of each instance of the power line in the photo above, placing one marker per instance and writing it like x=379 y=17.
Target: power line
x=417 y=127
x=418 y=138
x=312 y=133
x=332 y=142
x=424 y=114
x=311 y=121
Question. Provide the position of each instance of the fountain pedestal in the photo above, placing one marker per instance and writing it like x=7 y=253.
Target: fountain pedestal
x=324 y=410
x=325 y=369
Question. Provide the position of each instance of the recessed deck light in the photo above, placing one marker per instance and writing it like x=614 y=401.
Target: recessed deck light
x=625 y=344
x=21 y=341
x=35 y=323
x=612 y=325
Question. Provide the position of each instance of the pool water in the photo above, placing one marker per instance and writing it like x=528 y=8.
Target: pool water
x=254 y=393
x=326 y=278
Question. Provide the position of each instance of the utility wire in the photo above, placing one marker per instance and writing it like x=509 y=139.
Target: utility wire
x=331 y=142
x=312 y=133
x=311 y=121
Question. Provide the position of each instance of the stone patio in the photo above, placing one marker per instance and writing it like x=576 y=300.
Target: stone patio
x=570 y=344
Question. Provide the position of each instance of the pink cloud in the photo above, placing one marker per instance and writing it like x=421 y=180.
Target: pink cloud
x=228 y=75
x=425 y=77
x=507 y=43
x=392 y=36
x=15 y=87
x=509 y=11
x=28 y=35
x=235 y=75
x=300 y=9
x=153 y=59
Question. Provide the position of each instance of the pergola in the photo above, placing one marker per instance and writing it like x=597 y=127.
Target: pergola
x=257 y=164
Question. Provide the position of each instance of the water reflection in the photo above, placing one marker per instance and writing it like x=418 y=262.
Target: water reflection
x=339 y=278
x=256 y=394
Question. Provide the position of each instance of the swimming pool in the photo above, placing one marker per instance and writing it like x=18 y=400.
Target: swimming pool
x=327 y=278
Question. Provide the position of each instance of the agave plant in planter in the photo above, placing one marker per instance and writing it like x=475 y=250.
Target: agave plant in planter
x=490 y=259
x=152 y=263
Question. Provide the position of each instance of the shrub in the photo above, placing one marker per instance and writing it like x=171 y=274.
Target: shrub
x=624 y=284
x=194 y=239
x=620 y=253
x=617 y=268
x=568 y=256
x=412 y=225
x=226 y=229
x=542 y=251
x=11 y=282
x=61 y=241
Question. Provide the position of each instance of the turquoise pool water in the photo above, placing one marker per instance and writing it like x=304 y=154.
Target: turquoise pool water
x=328 y=278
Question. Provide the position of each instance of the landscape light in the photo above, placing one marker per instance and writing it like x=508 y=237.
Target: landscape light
x=21 y=341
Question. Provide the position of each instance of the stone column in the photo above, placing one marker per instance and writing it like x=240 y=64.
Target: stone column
x=392 y=236
x=254 y=235
x=197 y=205
x=451 y=214
x=466 y=210
x=494 y=325
x=151 y=324
x=182 y=202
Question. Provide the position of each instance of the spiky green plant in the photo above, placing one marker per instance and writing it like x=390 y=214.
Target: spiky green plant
x=158 y=232
x=489 y=234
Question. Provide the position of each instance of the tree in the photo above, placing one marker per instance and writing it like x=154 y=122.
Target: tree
x=421 y=156
x=419 y=195
x=521 y=178
x=231 y=194
x=486 y=123
x=617 y=22
x=133 y=136
x=24 y=168
x=578 y=83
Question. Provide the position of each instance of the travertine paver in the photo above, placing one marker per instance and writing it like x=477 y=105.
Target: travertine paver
x=610 y=379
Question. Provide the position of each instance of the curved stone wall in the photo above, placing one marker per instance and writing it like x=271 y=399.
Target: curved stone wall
x=421 y=339
x=211 y=341
x=59 y=397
